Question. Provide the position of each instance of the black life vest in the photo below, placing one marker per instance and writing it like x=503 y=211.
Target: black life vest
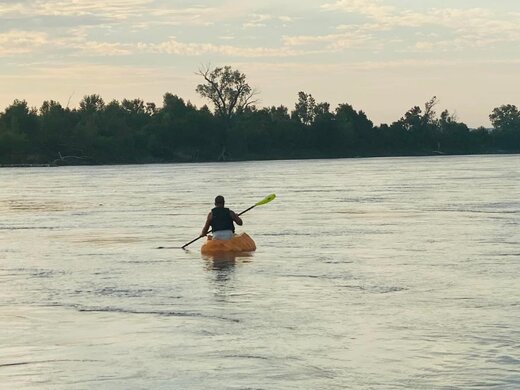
x=221 y=219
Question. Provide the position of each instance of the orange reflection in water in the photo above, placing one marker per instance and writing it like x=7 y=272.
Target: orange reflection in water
x=226 y=260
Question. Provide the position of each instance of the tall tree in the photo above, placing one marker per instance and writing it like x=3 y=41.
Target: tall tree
x=21 y=118
x=19 y=133
x=227 y=89
x=305 y=108
x=506 y=121
x=505 y=117
x=422 y=127
x=91 y=104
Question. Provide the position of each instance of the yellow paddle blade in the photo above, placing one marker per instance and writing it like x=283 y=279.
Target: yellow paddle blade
x=267 y=199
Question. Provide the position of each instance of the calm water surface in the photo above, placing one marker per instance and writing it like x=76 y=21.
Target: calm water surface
x=386 y=273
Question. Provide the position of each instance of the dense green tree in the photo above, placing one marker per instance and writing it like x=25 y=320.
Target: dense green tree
x=304 y=109
x=20 y=118
x=287 y=135
x=132 y=131
x=505 y=117
x=91 y=104
x=280 y=113
x=422 y=127
x=20 y=133
x=481 y=140
x=356 y=130
x=56 y=124
x=454 y=136
x=506 y=121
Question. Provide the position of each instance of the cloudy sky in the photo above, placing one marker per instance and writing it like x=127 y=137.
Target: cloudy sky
x=381 y=56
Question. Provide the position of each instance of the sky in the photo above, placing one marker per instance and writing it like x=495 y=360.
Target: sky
x=381 y=56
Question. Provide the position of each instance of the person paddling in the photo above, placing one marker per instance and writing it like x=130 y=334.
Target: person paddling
x=221 y=220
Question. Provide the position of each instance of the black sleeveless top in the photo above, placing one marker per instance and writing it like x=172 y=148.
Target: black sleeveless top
x=221 y=219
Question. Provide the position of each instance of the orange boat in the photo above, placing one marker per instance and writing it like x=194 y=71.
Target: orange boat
x=239 y=243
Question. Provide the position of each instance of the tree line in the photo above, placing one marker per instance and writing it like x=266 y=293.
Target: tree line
x=133 y=131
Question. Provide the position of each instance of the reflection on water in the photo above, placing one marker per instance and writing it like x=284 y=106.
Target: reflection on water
x=227 y=259
x=223 y=264
x=383 y=273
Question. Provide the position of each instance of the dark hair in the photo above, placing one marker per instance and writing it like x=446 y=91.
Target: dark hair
x=219 y=200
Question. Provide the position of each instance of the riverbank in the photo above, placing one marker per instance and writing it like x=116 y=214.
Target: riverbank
x=27 y=165
x=296 y=156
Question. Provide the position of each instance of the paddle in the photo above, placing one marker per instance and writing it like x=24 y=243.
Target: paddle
x=267 y=199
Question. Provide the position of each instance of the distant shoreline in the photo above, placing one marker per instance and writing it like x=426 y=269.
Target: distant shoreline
x=433 y=154
x=132 y=132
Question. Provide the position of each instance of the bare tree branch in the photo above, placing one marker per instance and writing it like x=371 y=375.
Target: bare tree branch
x=227 y=89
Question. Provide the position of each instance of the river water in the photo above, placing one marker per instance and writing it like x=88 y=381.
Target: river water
x=382 y=273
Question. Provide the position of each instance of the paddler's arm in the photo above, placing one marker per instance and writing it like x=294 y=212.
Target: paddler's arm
x=235 y=218
x=205 y=229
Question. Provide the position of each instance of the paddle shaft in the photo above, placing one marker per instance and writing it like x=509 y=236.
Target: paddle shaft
x=246 y=210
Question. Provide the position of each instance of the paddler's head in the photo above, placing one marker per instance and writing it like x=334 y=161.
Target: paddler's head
x=219 y=201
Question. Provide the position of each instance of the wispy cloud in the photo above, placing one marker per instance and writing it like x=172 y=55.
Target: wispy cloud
x=257 y=21
x=425 y=63
x=15 y=42
x=116 y=28
x=11 y=9
x=146 y=12
x=331 y=46
x=118 y=9
x=473 y=27
x=330 y=41
x=105 y=48
x=373 y=9
x=174 y=46
x=262 y=20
